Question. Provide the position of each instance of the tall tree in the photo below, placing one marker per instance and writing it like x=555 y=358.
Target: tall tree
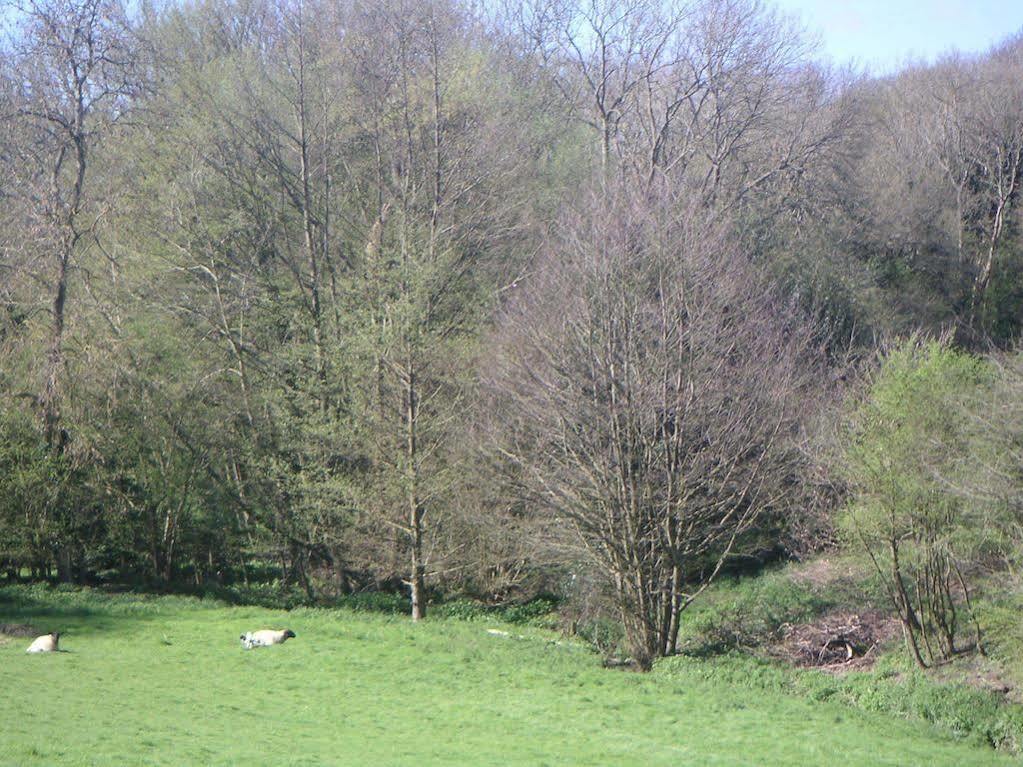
x=70 y=69
x=648 y=392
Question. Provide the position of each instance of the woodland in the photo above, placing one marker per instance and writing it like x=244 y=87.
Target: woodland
x=601 y=300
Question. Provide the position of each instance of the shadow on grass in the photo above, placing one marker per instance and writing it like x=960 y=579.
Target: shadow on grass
x=78 y=611
x=84 y=609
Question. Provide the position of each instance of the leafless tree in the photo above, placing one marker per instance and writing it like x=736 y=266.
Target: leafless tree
x=650 y=390
x=944 y=174
x=997 y=157
x=715 y=97
x=69 y=69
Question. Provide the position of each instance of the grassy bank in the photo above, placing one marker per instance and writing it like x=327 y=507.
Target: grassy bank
x=737 y=635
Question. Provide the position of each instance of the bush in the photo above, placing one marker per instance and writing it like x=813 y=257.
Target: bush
x=273 y=595
x=604 y=635
x=464 y=609
x=908 y=448
x=387 y=602
x=964 y=712
x=748 y=612
x=538 y=612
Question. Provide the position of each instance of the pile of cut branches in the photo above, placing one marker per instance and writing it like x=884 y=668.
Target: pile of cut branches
x=836 y=639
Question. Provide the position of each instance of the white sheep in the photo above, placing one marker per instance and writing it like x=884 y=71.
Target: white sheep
x=45 y=643
x=265 y=637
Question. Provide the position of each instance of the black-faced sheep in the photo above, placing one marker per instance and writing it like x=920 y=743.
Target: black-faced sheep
x=265 y=637
x=45 y=643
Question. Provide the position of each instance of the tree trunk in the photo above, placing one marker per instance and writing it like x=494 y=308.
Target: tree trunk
x=418 y=568
x=415 y=506
x=55 y=360
x=65 y=572
x=671 y=645
x=910 y=623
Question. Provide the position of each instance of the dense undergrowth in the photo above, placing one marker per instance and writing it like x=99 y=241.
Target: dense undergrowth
x=540 y=611
x=748 y=612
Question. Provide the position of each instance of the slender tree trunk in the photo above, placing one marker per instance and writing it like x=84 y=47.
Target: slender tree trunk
x=969 y=609
x=415 y=506
x=671 y=646
x=605 y=147
x=65 y=572
x=1006 y=189
x=55 y=359
x=310 y=239
x=910 y=622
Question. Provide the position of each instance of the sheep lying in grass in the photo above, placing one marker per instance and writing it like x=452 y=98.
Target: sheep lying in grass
x=265 y=638
x=45 y=643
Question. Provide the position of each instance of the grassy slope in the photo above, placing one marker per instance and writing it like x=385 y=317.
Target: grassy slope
x=164 y=681
x=736 y=619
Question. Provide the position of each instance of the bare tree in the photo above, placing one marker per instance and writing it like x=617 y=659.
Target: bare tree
x=997 y=158
x=716 y=97
x=70 y=68
x=650 y=390
x=945 y=172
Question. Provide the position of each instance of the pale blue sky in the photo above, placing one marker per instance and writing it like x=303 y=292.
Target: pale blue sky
x=883 y=34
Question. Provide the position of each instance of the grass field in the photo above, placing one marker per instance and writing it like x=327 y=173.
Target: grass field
x=163 y=680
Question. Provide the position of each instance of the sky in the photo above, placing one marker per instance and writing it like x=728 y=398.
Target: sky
x=883 y=34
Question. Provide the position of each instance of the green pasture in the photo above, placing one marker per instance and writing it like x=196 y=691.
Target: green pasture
x=164 y=681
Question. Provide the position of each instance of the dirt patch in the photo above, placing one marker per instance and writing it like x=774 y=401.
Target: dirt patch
x=823 y=572
x=11 y=631
x=839 y=640
x=977 y=671
x=14 y=630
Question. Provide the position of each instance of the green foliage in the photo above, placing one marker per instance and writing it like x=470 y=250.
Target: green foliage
x=746 y=612
x=290 y=276
x=908 y=452
x=999 y=611
x=538 y=612
x=78 y=604
x=604 y=635
x=387 y=603
x=911 y=425
x=906 y=436
x=46 y=501
x=1003 y=306
x=27 y=471
x=272 y=595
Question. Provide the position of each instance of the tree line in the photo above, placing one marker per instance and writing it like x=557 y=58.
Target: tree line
x=433 y=296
